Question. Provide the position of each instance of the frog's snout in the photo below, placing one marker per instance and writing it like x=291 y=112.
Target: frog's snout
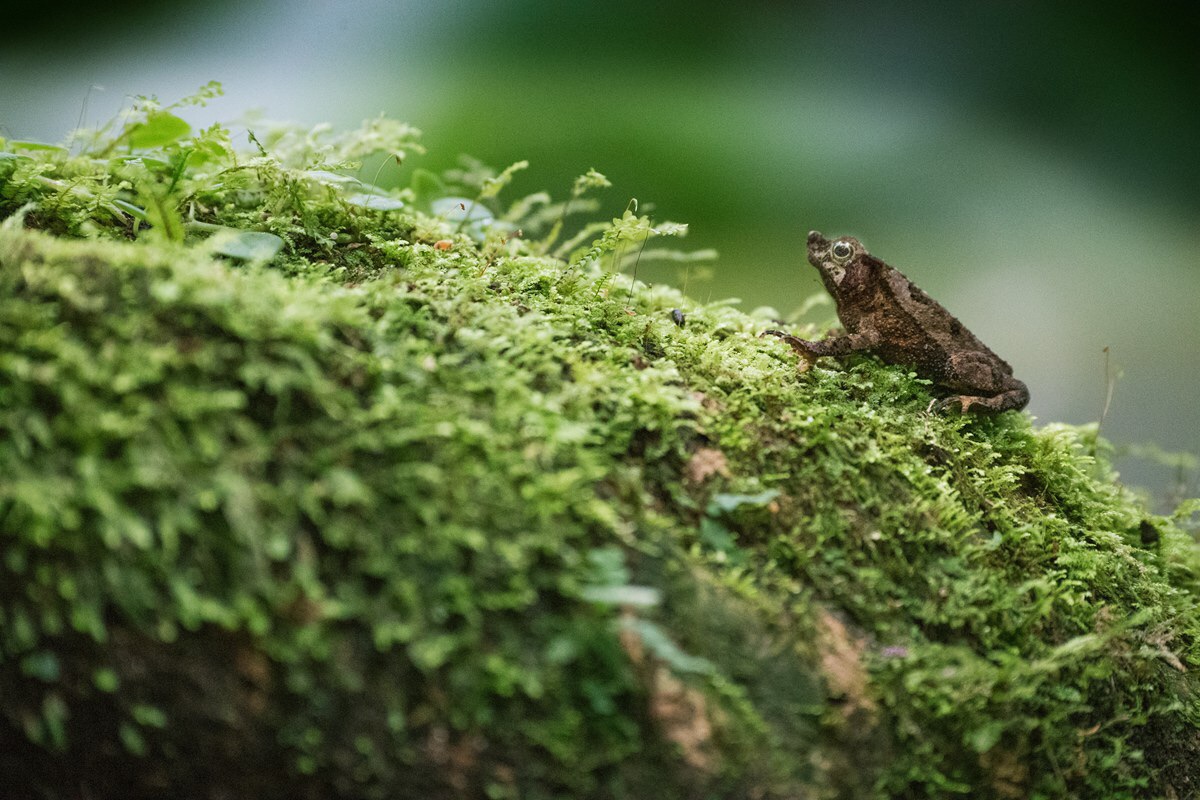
x=816 y=244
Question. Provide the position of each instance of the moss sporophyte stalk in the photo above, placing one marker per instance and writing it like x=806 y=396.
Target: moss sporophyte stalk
x=298 y=501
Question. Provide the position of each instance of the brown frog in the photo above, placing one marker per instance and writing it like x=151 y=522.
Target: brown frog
x=886 y=315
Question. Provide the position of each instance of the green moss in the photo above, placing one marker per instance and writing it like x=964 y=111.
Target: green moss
x=417 y=508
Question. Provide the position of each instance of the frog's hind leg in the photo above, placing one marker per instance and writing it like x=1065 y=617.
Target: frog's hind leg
x=985 y=385
x=1012 y=400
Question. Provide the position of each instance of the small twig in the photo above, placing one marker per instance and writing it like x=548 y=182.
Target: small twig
x=466 y=214
x=1111 y=385
x=638 y=260
x=384 y=163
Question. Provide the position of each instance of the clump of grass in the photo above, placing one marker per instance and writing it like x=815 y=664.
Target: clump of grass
x=315 y=488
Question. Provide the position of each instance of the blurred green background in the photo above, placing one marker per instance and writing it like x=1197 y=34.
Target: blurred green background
x=1034 y=166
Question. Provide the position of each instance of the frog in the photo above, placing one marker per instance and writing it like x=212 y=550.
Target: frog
x=887 y=315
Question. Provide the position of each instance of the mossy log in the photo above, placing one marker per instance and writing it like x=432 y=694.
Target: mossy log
x=416 y=511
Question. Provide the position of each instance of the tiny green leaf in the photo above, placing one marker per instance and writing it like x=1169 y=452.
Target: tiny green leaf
x=985 y=737
x=105 y=680
x=132 y=739
x=492 y=186
x=456 y=209
x=375 y=202
x=658 y=642
x=247 y=245
x=730 y=502
x=42 y=665
x=640 y=596
x=25 y=145
x=589 y=180
x=716 y=535
x=149 y=716
x=328 y=178
x=159 y=130
x=163 y=214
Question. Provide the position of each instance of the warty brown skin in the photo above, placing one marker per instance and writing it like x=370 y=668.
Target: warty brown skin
x=885 y=314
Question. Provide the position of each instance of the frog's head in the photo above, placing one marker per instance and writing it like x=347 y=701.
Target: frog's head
x=844 y=264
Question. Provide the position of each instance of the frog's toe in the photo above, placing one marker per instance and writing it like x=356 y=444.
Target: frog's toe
x=939 y=405
x=801 y=346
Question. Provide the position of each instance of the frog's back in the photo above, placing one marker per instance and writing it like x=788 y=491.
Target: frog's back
x=939 y=329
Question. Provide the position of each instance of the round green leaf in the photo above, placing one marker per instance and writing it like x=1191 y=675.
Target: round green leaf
x=375 y=202
x=159 y=129
x=247 y=245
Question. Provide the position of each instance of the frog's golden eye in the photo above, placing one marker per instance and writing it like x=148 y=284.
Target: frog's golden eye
x=841 y=252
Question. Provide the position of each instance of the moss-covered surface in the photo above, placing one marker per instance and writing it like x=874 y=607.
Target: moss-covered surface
x=415 y=509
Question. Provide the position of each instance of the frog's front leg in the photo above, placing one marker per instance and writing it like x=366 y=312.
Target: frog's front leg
x=810 y=351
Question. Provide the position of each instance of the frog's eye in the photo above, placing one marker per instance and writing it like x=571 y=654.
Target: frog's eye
x=841 y=252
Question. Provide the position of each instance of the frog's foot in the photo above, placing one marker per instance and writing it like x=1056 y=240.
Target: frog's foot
x=803 y=347
x=962 y=403
x=940 y=405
